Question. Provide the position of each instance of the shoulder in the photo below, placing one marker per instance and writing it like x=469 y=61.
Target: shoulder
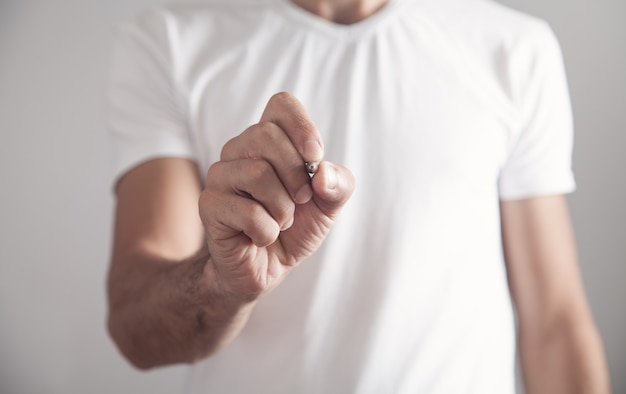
x=487 y=23
x=513 y=47
x=184 y=30
x=169 y=21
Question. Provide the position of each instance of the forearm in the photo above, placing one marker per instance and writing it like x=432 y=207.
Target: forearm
x=162 y=312
x=560 y=349
x=568 y=358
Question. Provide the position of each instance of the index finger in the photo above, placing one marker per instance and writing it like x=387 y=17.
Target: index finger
x=288 y=113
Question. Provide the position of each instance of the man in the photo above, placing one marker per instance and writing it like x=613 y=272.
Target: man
x=453 y=118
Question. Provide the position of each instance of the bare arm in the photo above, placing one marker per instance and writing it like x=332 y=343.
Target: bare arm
x=560 y=349
x=188 y=265
x=159 y=286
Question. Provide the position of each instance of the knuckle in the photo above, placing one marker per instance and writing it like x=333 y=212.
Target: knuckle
x=227 y=149
x=258 y=171
x=214 y=173
x=257 y=139
x=265 y=133
x=253 y=215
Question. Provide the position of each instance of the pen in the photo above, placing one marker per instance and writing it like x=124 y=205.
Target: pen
x=311 y=168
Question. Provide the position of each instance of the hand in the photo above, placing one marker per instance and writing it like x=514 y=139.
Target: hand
x=261 y=211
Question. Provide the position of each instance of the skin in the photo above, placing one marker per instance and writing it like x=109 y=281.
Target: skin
x=189 y=264
x=259 y=216
x=560 y=349
x=342 y=11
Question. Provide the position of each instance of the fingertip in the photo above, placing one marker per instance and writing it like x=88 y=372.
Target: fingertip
x=287 y=224
x=304 y=194
x=330 y=178
x=265 y=236
x=333 y=182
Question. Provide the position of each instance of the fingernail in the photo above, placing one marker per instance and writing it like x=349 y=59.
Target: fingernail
x=330 y=178
x=304 y=194
x=312 y=150
x=287 y=225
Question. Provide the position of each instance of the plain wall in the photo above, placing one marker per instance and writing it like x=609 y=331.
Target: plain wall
x=56 y=201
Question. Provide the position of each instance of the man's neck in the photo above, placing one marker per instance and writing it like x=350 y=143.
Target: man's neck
x=342 y=11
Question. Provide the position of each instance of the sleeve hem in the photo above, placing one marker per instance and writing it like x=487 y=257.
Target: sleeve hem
x=128 y=157
x=540 y=191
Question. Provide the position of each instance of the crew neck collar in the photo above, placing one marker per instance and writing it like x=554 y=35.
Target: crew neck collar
x=311 y=20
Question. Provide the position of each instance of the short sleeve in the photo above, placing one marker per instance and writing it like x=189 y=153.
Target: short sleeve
x=147 y=117
x=539 y=160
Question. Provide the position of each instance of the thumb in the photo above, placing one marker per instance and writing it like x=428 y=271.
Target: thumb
x=332 y=186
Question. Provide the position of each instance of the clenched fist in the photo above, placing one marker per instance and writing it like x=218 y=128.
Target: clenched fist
x=261 y=211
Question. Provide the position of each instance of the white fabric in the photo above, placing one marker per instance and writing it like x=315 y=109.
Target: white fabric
x=441 y=108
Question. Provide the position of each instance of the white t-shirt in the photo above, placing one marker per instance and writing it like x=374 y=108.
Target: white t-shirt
x=441 y=108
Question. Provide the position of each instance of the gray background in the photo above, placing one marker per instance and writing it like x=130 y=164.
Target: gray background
x=55 y=199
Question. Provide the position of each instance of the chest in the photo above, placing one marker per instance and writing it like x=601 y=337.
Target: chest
x=424 y=116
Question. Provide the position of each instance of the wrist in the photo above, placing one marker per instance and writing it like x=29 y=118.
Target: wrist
x=217 y=297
